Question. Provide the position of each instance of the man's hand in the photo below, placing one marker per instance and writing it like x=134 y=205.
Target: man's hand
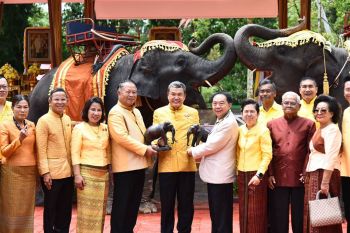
x=161 y=142
x=272 y=182
x=254 y=181
x=47 y=180
x=79 y=182
x=189 y=152
x=302 y=179
x=150 y=152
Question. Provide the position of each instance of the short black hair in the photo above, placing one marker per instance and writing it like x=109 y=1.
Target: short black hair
x=267 y=81
x=58 y=89
x=87 y=105
x=248 y=102
x=122 y=84
x=225 y=93
x=17 y=98
x=333 y=106
x=347 y=79
x=308 y=78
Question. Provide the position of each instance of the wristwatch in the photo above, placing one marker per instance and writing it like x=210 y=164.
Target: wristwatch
x=260 y=175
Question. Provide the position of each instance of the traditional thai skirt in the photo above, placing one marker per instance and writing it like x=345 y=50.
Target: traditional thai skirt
x=252 y=204
x=312 y=186
x=92 y=200
x=17 y=198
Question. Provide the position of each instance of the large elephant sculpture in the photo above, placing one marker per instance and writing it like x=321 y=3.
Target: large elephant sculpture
x=152 y=74
x=293 y=57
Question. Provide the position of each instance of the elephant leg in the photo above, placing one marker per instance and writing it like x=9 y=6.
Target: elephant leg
x=146 y=205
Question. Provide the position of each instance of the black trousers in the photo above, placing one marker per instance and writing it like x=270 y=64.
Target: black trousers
x=180 y=185
x=58 y=205
x=279 y=200
x=127 y=195
x=220 y=198
x=345 y=183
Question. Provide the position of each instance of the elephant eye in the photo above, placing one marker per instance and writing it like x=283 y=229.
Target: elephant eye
x=146 y=69
x=181 y=62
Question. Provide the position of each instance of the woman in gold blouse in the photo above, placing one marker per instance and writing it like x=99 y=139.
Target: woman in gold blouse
x=19 y=173
x=91 y=159
x=254 y=153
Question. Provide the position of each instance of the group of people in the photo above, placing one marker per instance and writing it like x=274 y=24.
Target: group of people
x=281 y=158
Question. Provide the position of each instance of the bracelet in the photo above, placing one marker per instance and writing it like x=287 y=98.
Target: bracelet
x=259 y=175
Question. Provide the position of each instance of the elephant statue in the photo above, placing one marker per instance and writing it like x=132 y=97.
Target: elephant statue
x=152 y=74
x=159 y=132
x=200 y=134
x=290 y=55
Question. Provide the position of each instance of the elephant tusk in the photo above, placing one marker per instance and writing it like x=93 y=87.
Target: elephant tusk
x=207 y=82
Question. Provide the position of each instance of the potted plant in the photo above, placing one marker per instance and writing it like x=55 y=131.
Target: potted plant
x=9 y=73
x=33 y=71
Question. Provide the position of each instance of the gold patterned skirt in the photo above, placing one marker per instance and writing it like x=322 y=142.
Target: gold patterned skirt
x=92 y=200
x=17 y=198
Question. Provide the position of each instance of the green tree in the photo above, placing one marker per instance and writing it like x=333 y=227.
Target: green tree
x=15 y=20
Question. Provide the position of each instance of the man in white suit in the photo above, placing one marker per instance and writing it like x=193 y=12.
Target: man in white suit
x=217 y=167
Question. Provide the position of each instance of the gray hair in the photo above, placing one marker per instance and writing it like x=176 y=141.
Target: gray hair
x=177 y=84
x=291 y=93
x=122 y=84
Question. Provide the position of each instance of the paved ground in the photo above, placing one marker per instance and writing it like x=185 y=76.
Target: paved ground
x=150 y=223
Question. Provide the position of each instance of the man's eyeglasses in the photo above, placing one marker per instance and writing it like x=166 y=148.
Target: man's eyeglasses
x=322 y=111
x=4 y=87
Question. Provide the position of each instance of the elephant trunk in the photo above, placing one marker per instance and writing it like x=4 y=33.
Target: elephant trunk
x=254 y=57
x=213 y=71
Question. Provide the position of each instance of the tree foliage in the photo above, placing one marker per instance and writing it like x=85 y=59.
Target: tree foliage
x=15 y=20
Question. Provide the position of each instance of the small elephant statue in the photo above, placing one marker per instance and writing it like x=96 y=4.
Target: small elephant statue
x=159 y=132
x=199 y=134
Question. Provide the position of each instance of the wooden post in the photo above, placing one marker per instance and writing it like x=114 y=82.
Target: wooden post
x=55 y=17
x=305 y=10
x=283 y=13
x=89 y=9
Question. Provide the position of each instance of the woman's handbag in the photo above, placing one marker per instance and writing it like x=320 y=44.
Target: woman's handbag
x=325 y=212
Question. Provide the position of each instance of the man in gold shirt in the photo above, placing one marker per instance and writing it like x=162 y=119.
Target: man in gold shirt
x=308 y=92
x=176 y=169
x=53 y=136
x=345 y=158
x=270 y=109
x=5 y=106
x=129 y=158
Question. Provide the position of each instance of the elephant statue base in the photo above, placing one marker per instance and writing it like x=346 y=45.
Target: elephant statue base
x=159 y=132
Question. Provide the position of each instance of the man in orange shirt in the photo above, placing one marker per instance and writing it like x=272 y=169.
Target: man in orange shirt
x=53 y=136
x=129 y=158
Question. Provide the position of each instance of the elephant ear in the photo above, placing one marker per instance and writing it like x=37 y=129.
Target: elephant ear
x=145 y=78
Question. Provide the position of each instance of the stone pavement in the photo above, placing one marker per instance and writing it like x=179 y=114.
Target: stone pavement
x=146 y=223
x=150 y=223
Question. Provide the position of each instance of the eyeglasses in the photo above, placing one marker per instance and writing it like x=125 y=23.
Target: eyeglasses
x=286 y=103
x=322 y=111
x=4 y=87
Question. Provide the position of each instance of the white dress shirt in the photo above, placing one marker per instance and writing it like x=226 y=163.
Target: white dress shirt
x=218 y=153
x=329 y=160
